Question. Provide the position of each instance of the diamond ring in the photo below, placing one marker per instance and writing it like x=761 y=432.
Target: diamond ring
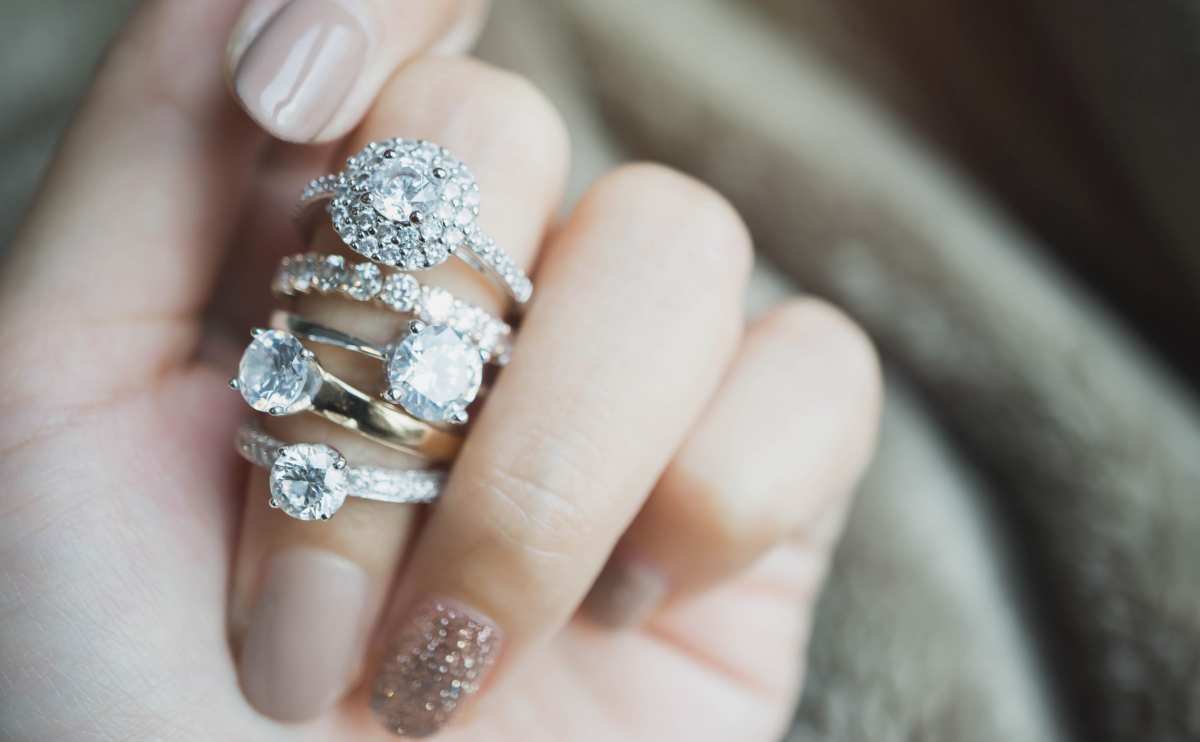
x=310 y=481
x=412 y=204
x=400 y=292
x=433 y=371
x=279 y=376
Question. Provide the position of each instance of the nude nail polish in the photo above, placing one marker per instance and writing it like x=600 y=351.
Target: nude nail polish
x=442 y=655
x=295 y=74
x=306 y=634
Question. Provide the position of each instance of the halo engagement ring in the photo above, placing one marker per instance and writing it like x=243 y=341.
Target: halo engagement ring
x=411 y=204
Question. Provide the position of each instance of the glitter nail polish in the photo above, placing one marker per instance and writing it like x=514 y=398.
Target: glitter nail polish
x=439 y=660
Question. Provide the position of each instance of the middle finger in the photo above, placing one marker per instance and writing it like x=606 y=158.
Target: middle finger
x=637 y=315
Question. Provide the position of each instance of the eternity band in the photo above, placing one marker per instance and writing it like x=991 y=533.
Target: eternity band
x=412 y=204
x=278 y=375
x=310 y=481
x=308 y=273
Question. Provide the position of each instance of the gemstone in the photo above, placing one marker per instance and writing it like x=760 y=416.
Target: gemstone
x=308 y=481
x=330 y=273
x=437 y=305
x=399 y=189
x=300 y=273
x=434 y=373
x=277 y=374
x=400 y=292
x=364 y=281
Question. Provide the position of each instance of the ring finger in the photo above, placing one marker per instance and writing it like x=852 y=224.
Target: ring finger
x=296 y=580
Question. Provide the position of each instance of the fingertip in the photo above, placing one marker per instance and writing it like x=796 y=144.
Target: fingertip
x=307 y=71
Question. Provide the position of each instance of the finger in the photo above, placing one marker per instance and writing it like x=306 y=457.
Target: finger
x=780 y=447
x=118 y=254
x=636 y=315
x=308 y=70
x=292 y=577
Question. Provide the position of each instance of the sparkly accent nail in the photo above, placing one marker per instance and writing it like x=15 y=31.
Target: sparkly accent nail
x=439 y=660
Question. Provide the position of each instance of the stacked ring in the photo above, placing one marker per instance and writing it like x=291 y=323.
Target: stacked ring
x=401 y=204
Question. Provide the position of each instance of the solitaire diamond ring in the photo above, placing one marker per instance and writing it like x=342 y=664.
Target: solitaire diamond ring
x=310 y=481
x=412 y=204
x=331 y=274
x=279 y=376
x=433 y=372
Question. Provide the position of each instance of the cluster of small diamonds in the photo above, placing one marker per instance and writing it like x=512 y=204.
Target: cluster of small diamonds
x=373 y=483
x=411 y=245
x=332 y=274
x=390 y=485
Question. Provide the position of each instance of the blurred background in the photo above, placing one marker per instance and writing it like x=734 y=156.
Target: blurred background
x=1005 y=195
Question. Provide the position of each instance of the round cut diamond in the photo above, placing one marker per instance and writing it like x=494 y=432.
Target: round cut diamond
x=277 y=374
x=308 y=481
x=434 y=373
x=400 y=292
x=399 y=189
x=366 y=280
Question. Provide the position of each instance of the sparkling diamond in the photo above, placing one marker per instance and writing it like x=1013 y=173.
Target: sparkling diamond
x=437 y=305
x=435 y=373
x=308 y=481
x=300 y=273
x=400 y=292
x=365 y=281
x=399 y=189
x=276 y=374
x=330 y=273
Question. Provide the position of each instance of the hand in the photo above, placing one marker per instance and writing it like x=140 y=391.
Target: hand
x=640 y=433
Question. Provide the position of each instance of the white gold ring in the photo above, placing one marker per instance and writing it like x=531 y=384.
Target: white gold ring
x=411 y=204
x=310 y=481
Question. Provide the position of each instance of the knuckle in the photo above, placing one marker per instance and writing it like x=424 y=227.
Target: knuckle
x=843 y=342
x=728 y=529
x=518 y=115
x=535 y=497
x=698 y=225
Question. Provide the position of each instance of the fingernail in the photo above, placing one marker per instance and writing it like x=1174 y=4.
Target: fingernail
x=625 y=594
x=298 y=70
x=441 y=657
x=305 y=634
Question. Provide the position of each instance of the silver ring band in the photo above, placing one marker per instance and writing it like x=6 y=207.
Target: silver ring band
x=309 y=273
x=310 y=481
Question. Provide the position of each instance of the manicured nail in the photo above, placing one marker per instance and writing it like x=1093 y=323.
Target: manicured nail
x=306 y=633
x=295 y=74
x=443 y=653
x=625 y=594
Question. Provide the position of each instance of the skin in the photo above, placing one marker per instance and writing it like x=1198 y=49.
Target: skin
x=131 y=533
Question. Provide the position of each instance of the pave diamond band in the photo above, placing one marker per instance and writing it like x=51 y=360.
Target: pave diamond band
x=310 y=481
x=278 y=375
x=309 y=273
x=412 y=204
